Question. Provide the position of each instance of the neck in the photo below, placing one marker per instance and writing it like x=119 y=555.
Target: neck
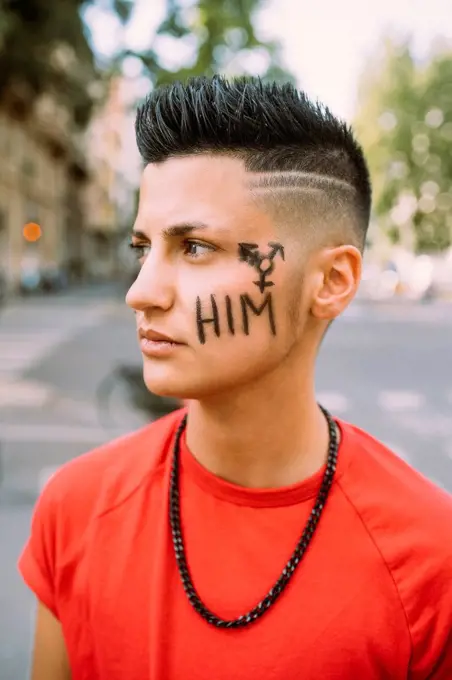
x=264 y=435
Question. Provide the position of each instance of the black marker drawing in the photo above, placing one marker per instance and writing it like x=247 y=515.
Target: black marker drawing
x=248 y=252
x=200 y=321
x=247 y=305
x=229 y=315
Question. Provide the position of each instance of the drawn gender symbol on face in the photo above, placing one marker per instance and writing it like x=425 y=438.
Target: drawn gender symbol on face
x=263 y=262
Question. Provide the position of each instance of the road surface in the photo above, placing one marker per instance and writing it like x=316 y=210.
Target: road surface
x=386 y=368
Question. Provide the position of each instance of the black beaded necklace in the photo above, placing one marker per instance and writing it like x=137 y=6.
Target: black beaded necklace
x=288 y=571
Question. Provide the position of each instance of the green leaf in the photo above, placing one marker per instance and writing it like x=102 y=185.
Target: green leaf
x=394 y=82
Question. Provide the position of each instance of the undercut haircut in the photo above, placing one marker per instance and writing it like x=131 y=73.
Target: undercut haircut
x=299 y=155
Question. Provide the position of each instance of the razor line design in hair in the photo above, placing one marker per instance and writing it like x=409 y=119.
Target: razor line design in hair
x=291 y=179
x=246 y=305
x=248 y=252
x=317 y=192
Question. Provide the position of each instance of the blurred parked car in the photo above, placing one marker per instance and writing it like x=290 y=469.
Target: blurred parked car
x=53 y=279
x=30 y=275
x=41 y=279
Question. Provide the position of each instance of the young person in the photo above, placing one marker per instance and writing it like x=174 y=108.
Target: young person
x=250 y=534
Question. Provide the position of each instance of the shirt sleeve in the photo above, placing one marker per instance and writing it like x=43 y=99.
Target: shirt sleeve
x=431 y=600
x=37 y=562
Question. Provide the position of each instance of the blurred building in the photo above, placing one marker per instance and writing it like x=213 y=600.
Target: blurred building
x=80 y=188
x=43 y=177
x=113 y=163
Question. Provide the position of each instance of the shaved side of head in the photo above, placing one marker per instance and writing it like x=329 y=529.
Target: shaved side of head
x=321 y=210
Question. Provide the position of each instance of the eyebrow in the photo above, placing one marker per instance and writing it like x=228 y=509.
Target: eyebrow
x=174 y=230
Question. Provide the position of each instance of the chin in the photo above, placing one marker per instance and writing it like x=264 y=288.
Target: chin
x=197 y=383
x=164 y=382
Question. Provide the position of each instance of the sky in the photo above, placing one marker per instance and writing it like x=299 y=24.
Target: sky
x=325 y=43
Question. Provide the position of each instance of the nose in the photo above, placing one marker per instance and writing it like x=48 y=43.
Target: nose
x=153 y=287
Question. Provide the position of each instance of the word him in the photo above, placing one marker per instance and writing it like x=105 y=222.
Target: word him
x=246 y=306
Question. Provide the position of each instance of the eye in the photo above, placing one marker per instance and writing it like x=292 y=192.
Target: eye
x=196 y=249
x=139 y=250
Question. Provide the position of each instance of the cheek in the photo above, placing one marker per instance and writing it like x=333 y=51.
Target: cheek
x=239 y=338
x=246 y=318
x=234 y=308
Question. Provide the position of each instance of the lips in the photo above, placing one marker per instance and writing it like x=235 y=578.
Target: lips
x=156 y=336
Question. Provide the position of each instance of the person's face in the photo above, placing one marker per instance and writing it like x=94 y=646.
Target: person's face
x=194 y=287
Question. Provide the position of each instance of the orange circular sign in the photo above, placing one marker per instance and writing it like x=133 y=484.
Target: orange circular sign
x=32 y=231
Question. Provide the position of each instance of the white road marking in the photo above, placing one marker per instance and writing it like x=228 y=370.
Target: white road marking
x=336 y=402
x=24 y=394
x=434 y=425
x=57 y=433
x=395 y=400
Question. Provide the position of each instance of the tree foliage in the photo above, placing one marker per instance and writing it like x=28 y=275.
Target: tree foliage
x=45 y=47
x=405 y=124
x=218 y=36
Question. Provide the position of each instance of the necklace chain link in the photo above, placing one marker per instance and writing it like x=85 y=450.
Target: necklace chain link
x=272 y=595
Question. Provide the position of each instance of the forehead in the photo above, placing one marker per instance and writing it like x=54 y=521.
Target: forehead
x=211 y=189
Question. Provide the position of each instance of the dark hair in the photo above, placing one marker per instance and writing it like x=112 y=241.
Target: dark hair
x=273 y=127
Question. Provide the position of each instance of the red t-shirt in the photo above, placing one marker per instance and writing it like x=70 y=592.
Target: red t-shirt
x=372 y=597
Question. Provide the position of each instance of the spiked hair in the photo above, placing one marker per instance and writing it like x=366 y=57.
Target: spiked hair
x=276 y=129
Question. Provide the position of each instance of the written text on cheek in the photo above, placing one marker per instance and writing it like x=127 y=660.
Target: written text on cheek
x=211 y=317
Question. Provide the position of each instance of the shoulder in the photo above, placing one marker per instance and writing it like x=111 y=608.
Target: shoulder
x=390 y=495
x=107 y=475
x=83 y=490
x=409 y=520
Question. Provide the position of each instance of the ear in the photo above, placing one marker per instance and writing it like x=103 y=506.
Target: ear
x=336 y=280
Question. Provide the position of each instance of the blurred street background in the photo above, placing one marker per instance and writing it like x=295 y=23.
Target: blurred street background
x=71 y=74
